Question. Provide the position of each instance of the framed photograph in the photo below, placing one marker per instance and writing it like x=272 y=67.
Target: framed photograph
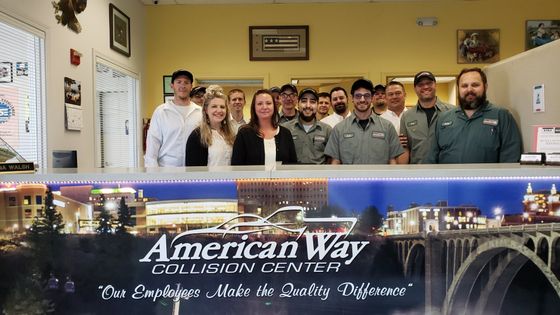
x=22 y=69
x=478 y=46
x=540 y=32
x=167 y=97
x=72 y=91
x=167 y=85
x=278 y=43
x=119 y=27
x=6 y=74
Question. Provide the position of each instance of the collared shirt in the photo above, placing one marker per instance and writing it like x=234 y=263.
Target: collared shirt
x=283 y=118
x=415 y=127
x=394 y=118
x=352 y=144
x=236 y=124
x=334 y=119
x=310 y=146
x=491 y=135
x=169 y=130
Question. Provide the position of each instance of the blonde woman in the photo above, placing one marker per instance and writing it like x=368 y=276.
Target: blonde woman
x=211 y=143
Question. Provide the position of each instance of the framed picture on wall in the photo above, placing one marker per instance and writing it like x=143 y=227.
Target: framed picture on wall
x=478 y=46
x=6 y=74
x=119 y=27
x=540 y=32
x=278 y=43
x=167 y=85
x=167 y=97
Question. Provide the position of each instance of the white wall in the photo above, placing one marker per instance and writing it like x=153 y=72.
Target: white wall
x=59 y=40
x=511 y=82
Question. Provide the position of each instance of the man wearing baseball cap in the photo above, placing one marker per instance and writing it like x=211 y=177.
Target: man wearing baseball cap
x=289 y=98
x=418 y=124
x=379 y=101
x=310 y=136
x=363 y=137
x=197 y=95
x=172 y=123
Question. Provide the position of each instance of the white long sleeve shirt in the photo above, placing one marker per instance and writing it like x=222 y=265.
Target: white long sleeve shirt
x=169 y=130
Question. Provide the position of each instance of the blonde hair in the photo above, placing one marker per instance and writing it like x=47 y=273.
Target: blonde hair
x=212 y=92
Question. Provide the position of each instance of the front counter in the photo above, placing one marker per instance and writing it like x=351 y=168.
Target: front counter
x=292 y=240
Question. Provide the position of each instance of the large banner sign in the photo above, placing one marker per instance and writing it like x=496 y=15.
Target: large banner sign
x=281 y=246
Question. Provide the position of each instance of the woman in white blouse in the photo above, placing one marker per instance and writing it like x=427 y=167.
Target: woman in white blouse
x=211 y=143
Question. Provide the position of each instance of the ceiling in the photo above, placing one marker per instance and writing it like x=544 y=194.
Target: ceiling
x=173 y=2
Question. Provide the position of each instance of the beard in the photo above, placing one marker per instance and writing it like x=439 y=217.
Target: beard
x=340 y=108
x=307 y=118
x=474 y=104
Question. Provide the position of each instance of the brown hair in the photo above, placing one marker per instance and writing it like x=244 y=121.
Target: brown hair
x=254 y=122
x=482 y=74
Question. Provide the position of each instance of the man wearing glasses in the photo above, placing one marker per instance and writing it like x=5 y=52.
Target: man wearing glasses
x=289 y=97
x=364 y=137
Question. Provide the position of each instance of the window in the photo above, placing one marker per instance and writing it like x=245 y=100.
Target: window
x=116 y=98
x=12 y=202
x=26 y=200
x=39 y=199
x=28 y=214
x=22 y=88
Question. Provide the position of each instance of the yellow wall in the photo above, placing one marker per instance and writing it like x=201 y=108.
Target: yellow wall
x=375 y=40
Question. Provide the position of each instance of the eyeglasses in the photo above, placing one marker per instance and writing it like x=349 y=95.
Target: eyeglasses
x=286 y=95
x=367 y=96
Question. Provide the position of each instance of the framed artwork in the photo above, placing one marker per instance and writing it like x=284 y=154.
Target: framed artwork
x=119 y=27
x=540 y=32
x=278 y=43
x=167 y=85
x=6 y=74
x=72 y=91
x=167 y=97
x=478 y=46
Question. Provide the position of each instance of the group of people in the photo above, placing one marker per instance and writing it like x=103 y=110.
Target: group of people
x=205 y=127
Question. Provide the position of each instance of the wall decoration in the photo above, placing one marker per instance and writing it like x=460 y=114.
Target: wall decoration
x=278 y=43
x=167 y=97
x=119 y=26
x=65 y=12
x=6 y=75
x=167 y=85
x=540 y=32
x=72 y=91
x=478 y=46
x=22 y=69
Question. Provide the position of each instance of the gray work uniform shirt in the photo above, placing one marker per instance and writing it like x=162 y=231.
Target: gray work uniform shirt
x=310 y=146
x=352 y=144
x=491 y=135
x=417 y=130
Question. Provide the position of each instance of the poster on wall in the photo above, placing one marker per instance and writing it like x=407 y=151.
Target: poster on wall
x=10 y=112
x=217 y=247
x=22 y=69
x=6 y=75
x=72 y=91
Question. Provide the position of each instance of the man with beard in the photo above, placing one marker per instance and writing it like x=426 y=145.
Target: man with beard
x=478 y=131
x=379 y=101
x=288 y=96
x=364 y=137
x=172 y=123
x=323 y=105
x=236 y=102
x=310 y=136
x=419 y=123
x=339 y=102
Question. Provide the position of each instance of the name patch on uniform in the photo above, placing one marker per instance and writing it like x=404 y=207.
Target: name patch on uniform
x=412 y=123
x=318 y=139
x=294 y=137
x=490 y=122
x=378 y=135
x=348 y=135
x=446 y=123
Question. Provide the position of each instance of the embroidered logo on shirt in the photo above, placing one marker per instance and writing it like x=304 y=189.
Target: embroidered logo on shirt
x=378 y=135
x=348 y=135
x=446 y=123
x=294 y=137
x=412 y=123
x=318 y=139
x=490 y=122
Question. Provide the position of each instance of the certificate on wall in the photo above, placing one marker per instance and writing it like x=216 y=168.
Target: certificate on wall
x=546 y=139
x=73 y=117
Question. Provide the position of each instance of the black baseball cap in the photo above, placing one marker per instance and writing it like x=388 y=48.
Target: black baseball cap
x=181 y=72
x=308 y=91
x=379 y=87
x=423 y=74
x=362 y=83
x=196 y=90
x=274 y=89
x=288 y=86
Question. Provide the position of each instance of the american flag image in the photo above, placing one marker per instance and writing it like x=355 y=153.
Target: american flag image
x=280 y=42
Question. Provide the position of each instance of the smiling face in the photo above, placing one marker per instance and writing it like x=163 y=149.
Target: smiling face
x=339 y=102
x=425 y=90
x=362 y=100
x=308 y=106
x=264 y=107
x=182 y=87
x=237 y=101
x=395 y=97
x=216 y=112
x=324 y=105
x=472 y=90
